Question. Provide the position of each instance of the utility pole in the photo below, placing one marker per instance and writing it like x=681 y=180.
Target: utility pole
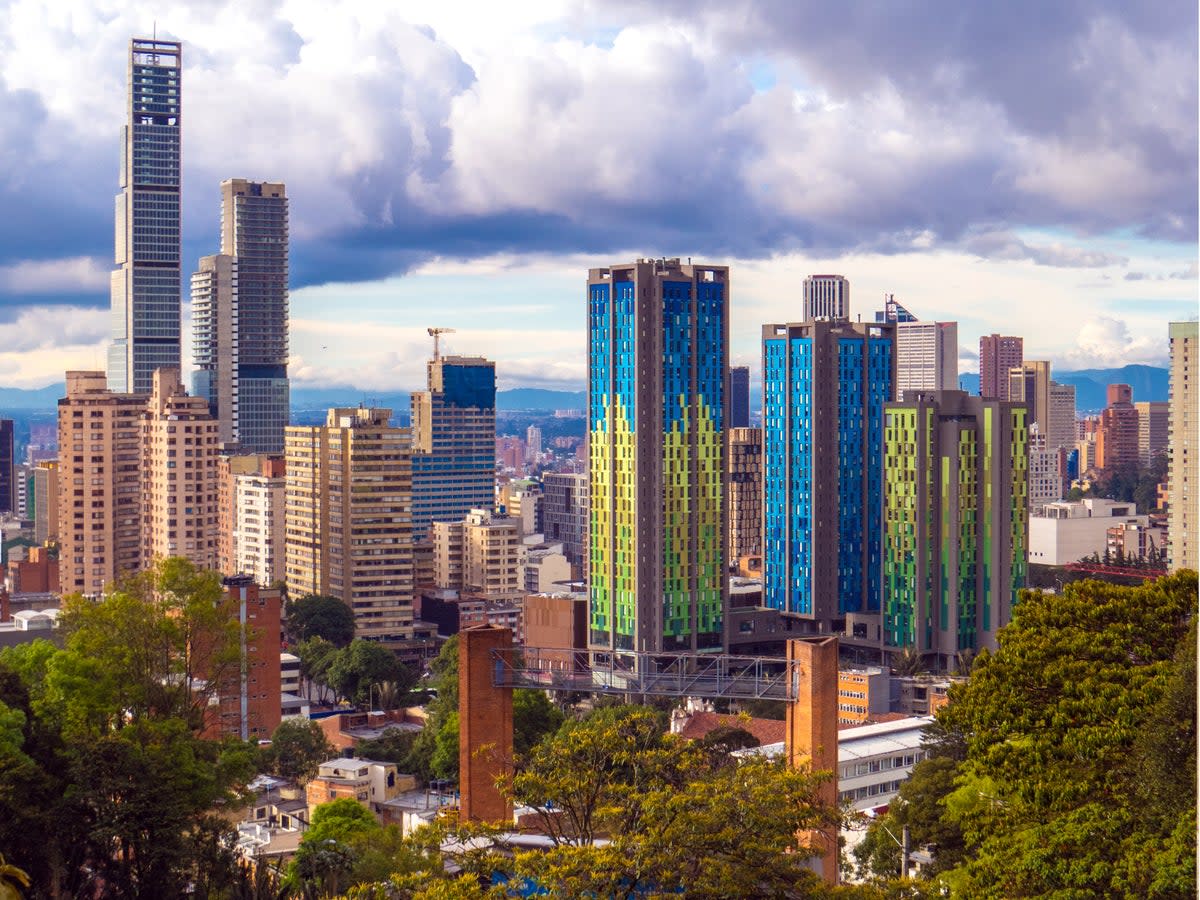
x=905 y=851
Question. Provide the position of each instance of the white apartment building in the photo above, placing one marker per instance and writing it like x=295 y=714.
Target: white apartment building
x=926 y=357
x=1066 y=532
x=258 y=526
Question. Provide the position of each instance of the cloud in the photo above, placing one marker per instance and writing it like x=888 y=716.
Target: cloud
x=44 y=327
x=1105 y=342
x=53 y=276
x=419 y=131
x=1006 y=245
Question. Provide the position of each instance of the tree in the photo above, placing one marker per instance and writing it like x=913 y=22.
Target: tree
x=320 y=616
x=298 y=747
x=678 y=819
x=1047 y=798
x=316 y=656
x=117 y=785
x=12 y=880
x=364 y=664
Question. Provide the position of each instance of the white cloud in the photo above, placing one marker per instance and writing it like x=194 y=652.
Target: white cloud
x=75 y=274
x=1105 y=342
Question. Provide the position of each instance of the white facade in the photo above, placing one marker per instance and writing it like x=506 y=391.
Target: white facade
x=874 y=760
x=1066 y=532
x=1045 y=481
x=926 y=357
x=258 y=527
x=826 y=297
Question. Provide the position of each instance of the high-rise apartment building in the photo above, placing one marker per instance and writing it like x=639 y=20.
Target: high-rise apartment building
x=454 y=441
x=258 y=537
x=8 y=478
x=745 y=492
x=145 y=284
x=956 y=520
x=179 y=474
x=1117 y=436
x=247 y=702
x=533 y=444
x=826 y=297
x=1045 y=477
x=926 y=356
x=1183 y=472
x=999 y=354
x=824 y=389
x=489 y=555
x=348 y=512
x=565 y=515
x=99 y=484
x=739 y=397
x=658 y=347
x=1153 y=429
x=240 y=313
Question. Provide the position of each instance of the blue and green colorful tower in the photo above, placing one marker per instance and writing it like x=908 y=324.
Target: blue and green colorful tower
x=825 y=383
x=956 y=521
x=658 y=346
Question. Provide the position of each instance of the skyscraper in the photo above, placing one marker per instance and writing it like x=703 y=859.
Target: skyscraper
x=926 y=356
x=454 y=441
x=826 y=297
x=1153 y=429
x=956 y=521
x=145 y=285
x=739 y=397
x=1117 y=436
x=240 y=315
x=745 y=492
x=1029 y=383
x=824 y=389
x=565 y=515
x=658 y=340
x=1062 y=426
x=998 y=355
x=1183 y=473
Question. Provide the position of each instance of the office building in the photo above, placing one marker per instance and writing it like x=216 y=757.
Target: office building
x=745 y=493
x=826 y=297
x=565 y=515
x=348 y=518
x=824 y=389
x=145 y=285
x=1062 y=430
x=658 y=348
x=240 y=313
x=1045 y=477
x=739 y=397
x=1153 y=429
x=999 y=354
x=99 y=484
x=1067 y=531
x=893 y=311
x=926 y=356
x=1117 y=436
x=454 y=441
x=956 y=520
x=8 y=477
x=1183 y=472
x=179 y=474
x=1029 y=384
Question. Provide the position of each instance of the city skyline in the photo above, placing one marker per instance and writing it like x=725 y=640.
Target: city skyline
x=968 y=194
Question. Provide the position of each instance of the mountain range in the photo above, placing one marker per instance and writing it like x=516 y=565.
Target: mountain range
x=1148 y=383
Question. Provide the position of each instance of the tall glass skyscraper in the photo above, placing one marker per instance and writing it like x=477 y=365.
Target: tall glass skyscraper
x=145 y=286
x=240 y=318
x=454 y=441
x=825 y=384
x=658 y=347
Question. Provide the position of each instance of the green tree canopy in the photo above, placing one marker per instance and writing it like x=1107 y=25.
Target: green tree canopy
x=320 y=616
x=362 y=665
x=298 y=747
x=1048 y=796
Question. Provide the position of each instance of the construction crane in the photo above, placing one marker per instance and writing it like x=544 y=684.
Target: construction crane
x=436 y=333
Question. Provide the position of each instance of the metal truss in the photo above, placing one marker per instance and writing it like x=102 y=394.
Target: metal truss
x=639 y=672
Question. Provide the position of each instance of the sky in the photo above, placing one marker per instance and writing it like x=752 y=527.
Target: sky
x=1023 y=168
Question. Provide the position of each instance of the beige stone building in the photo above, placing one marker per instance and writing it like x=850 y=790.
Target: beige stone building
x=348 y=518
x=1183 y=551
x=99 y=484
x=179 y=445
x=1153 y=428
x=45 y=502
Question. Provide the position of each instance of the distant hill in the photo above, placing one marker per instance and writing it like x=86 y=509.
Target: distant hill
x=37 y=399
x=324 y=398
x=1148 y=383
